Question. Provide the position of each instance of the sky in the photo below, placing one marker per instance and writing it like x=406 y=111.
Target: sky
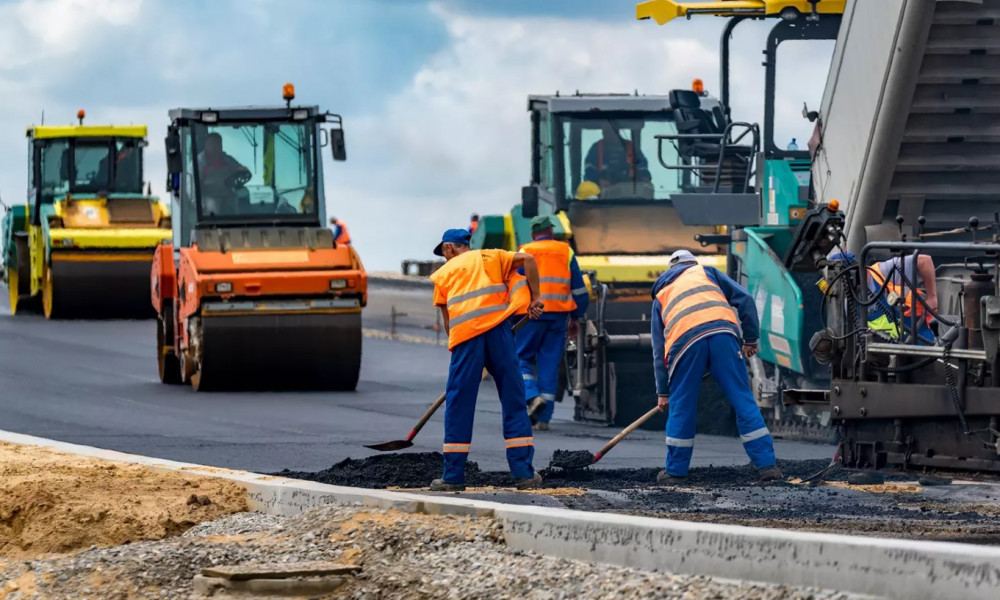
x=432 y=92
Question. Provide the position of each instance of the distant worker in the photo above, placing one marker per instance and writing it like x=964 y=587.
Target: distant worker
x=694 y=331
x=473 y=223
x=471 y=291
x=220 y=175
x=613 y=159
x=127 y=173
x=886 y=280
x=540 y=343
x=340 y=233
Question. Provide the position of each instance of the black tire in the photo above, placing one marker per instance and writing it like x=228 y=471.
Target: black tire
x=168 y=365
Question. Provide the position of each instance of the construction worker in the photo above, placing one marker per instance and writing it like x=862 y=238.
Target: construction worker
x=540 y=343
x=613 y=159
x=473 y=223
x=894 y=301
x=340 y=233
x=471 y=289
x=694 y=331
x=220 y=175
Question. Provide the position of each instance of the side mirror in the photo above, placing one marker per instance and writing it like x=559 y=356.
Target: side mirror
x=529 y=202
x=173 y=145
x=337 y=146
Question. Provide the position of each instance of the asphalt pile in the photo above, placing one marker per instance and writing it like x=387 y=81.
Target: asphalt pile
x=400 y=470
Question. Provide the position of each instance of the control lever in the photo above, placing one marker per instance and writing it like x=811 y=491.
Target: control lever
x=921 y=222
x=899 y=223
x=974 y=227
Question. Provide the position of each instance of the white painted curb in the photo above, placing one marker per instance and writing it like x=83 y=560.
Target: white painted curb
x=903 y=569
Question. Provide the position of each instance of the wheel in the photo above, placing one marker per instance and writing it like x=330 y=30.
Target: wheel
x=48 y=296
x=166 y=361
x=19 y=280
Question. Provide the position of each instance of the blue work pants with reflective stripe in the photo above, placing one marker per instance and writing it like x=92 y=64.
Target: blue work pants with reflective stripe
x=494 y=350
x=720 y=355
x=540 y=346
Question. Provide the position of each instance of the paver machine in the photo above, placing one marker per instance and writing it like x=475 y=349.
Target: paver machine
x=901 y=167
x=254 y=292
x=595 y=169
x=83 y=242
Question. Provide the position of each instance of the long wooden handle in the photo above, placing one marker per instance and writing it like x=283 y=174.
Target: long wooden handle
x=624 y=432
x=430 y=412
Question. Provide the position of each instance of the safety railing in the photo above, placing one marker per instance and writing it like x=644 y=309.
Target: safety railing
x=727 y=144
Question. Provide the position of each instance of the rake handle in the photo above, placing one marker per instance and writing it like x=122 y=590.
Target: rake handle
x=624 y=432
x=440 y=399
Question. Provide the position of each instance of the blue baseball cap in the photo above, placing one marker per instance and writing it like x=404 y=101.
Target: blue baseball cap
x=845 y=257
x=453 y=236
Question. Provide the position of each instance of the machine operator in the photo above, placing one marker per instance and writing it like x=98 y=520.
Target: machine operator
x=471 y=289
x=217 y=170
x=540 y=343
x=694 y=331
x=613 y=159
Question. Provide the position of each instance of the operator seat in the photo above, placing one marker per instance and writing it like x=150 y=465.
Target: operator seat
x=691 y=118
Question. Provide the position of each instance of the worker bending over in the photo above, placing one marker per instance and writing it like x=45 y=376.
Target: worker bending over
x=894 y=300
x=694 y=331
x=340 y=234
x=540 y=343
x=471 y=290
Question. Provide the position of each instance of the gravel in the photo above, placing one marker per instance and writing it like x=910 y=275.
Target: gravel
x=403 y=556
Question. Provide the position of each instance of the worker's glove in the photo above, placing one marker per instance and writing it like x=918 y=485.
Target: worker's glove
x=750 y=348
x=663 y=403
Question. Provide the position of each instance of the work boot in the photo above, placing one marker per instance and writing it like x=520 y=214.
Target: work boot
x=541 y=427
x=440 y=485
x=664 y=478
x=772 y=473
x=536 y=406
x=531 y=483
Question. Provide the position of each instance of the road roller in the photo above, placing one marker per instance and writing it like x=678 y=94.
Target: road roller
x=254 y=292
x=83 y=243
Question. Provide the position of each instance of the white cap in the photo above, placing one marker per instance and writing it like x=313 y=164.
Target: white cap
x=681 y=257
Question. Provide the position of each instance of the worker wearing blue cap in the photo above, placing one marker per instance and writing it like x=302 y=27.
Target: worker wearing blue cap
x=698 y=321
x=540 y=343
x=472 y=290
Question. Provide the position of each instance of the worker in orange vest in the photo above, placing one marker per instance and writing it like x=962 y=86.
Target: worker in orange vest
x=614 y=159
x=340 y=233
x=473 y=223
x=540 y=343
x=472 y=291
x=695 y=330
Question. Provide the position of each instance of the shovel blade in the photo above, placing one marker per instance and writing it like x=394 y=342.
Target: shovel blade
x=579 y=459
x=391 y=446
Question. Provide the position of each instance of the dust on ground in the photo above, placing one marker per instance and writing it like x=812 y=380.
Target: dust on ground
x=51 y=502
x=899 y=507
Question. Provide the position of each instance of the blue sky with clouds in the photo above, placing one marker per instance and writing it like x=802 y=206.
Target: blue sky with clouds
x=432 y=92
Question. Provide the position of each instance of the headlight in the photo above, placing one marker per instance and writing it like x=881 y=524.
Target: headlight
x=300 y=114
x=338 y=284
x=67 y=241
x=209 y=117
x=224 y=287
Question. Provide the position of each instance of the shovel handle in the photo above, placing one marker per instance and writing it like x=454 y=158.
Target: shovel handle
x=624 y=432
x=430 y=412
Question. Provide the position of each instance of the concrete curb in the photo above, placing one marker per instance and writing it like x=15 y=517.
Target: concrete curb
x=904 y=569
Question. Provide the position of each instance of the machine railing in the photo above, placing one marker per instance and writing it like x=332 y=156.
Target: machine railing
x=727 y=145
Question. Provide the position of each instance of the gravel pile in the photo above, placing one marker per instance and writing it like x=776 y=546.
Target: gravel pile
x=403 y=556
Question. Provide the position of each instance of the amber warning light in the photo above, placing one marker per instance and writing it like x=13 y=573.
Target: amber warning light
x=698 y=86
x=834 y=205
x=288 y=92
x=80 y=114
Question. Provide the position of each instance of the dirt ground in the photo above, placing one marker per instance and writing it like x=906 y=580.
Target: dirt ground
x=57 y=503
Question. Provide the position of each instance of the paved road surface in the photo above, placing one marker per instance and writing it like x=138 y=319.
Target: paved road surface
x=94 y=382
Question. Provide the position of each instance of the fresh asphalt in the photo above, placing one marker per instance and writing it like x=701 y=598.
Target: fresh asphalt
x=95 y=383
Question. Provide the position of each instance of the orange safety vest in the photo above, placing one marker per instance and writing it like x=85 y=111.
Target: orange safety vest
x=343 y=236
x=629 y=155
x=477 y=300
x=876 y=274
x=552 y=258
x=692 y=299
x=472 y=226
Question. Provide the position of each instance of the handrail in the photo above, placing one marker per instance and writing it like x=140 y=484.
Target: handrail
x=727 y=142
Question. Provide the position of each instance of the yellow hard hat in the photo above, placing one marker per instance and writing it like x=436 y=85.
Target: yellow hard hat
x=587 y=190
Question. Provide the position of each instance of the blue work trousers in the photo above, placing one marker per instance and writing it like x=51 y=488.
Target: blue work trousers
x=495 y=351
x=540 y=346
x=721 y=356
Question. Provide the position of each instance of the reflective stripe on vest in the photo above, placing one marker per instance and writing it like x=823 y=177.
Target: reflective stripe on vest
x=876 y=274
x=691 y=300
x=475 y=302
x=552 y=258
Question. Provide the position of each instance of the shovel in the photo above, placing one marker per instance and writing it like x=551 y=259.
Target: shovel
x=581 y=459
x=408 y=442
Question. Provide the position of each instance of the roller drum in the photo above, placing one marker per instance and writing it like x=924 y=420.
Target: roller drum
x=101 y=289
